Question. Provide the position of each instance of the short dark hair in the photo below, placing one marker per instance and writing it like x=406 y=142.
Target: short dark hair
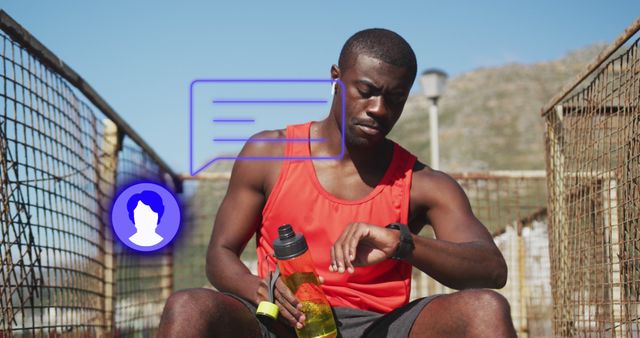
x=381 y=44
x=148 y=197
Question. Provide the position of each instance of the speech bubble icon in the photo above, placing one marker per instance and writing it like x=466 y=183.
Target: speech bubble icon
x=225 y=113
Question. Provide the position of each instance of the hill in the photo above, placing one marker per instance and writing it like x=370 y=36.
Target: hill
x=490 y=117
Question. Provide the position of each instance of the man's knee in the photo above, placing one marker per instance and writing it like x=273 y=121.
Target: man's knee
x=489 y=300
x=189 y=299
x=473 y=312
x=482 y=305
x=192 y=304
x=487 y=310
x=199 y=312
x=179 y=299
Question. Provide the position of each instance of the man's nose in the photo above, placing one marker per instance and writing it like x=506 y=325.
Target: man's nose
x=377 y=106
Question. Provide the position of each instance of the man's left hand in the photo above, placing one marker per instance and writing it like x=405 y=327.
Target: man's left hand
x=362 y=244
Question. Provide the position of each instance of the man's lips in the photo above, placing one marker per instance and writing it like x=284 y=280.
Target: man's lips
x=369 y=129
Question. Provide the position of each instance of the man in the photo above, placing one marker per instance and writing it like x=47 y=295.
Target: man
x=343 y=208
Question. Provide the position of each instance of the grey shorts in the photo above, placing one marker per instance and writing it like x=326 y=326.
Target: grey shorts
x=354 y=323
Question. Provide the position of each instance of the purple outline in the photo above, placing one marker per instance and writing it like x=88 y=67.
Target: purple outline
x=269 y=139
x=268 y=101
x=342 y=148
x=233 y=120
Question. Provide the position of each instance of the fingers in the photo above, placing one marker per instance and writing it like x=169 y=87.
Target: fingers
x=337 y=256
x=352 y=245
x=343 y=251
x=333 y=266
x=263 y=290
x=289 y=305
x=349 y=247
x=287 y=316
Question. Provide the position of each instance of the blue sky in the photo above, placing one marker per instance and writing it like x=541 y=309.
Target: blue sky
x=142 y=55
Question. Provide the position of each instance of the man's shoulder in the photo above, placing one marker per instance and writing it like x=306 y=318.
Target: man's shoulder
x=428 y=184
x=265 y=144
x=270 y=143
x=260 y=145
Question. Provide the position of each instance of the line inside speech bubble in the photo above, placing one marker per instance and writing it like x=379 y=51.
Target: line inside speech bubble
x=222 y=115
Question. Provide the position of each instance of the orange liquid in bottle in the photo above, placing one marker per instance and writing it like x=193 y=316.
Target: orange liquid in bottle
x=298 y=273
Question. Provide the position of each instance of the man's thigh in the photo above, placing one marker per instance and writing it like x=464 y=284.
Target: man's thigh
x=471 y=313
x=204 y=312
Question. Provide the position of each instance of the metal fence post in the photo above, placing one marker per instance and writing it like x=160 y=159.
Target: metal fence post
x=558 y=248
x=612 y=245
x=107 y=167
x=522 y=283
x=167 y=261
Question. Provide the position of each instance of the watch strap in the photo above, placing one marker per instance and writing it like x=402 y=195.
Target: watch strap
x=406 y=245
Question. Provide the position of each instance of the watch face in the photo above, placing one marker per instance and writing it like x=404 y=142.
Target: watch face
x=395 y=226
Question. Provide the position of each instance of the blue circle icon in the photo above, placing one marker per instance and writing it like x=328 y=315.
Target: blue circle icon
x=145 y=216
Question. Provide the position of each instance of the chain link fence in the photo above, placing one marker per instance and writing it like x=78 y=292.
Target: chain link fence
x=512 y=205
x=593 y=157
x=63 y=154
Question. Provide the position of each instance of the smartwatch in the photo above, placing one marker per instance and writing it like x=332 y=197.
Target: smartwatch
x=406 y=246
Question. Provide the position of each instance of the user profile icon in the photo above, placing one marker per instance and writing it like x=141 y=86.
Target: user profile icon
x=145 y=216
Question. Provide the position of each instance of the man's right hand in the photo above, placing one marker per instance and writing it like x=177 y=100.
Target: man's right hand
x=288 y=304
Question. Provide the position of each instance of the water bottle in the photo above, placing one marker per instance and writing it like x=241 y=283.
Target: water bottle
x=299 y=274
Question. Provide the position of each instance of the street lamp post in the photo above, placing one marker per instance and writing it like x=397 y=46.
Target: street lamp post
x=433 y=83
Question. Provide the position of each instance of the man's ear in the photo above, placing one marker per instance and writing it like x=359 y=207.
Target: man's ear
x=335 y=72
x=335 y=75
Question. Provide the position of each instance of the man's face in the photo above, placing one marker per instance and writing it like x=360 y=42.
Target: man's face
x=375 y=96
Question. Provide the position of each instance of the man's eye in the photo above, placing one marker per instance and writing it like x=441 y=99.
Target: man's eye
x=395 y=99
x=364 y=94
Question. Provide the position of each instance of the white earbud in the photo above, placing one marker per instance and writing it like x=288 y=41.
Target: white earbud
x=333 y=88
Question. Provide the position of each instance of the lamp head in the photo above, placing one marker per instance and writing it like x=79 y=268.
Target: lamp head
x=433 y=83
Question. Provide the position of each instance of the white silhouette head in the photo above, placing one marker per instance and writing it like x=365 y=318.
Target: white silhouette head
x=145 y=210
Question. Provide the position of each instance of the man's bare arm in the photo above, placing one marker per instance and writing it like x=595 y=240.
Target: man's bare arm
x=464 y=254
x=235 y=224
x=237 y=221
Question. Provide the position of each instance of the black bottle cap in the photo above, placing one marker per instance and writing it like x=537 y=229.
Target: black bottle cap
x=290 y=244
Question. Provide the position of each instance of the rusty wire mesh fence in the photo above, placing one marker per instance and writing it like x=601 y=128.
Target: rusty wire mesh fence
x=50 y=204
x=512 y=204
x=61 y=159
x=142 y=282
x=593 y=157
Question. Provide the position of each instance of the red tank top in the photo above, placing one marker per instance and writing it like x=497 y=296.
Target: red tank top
x=299 y=199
